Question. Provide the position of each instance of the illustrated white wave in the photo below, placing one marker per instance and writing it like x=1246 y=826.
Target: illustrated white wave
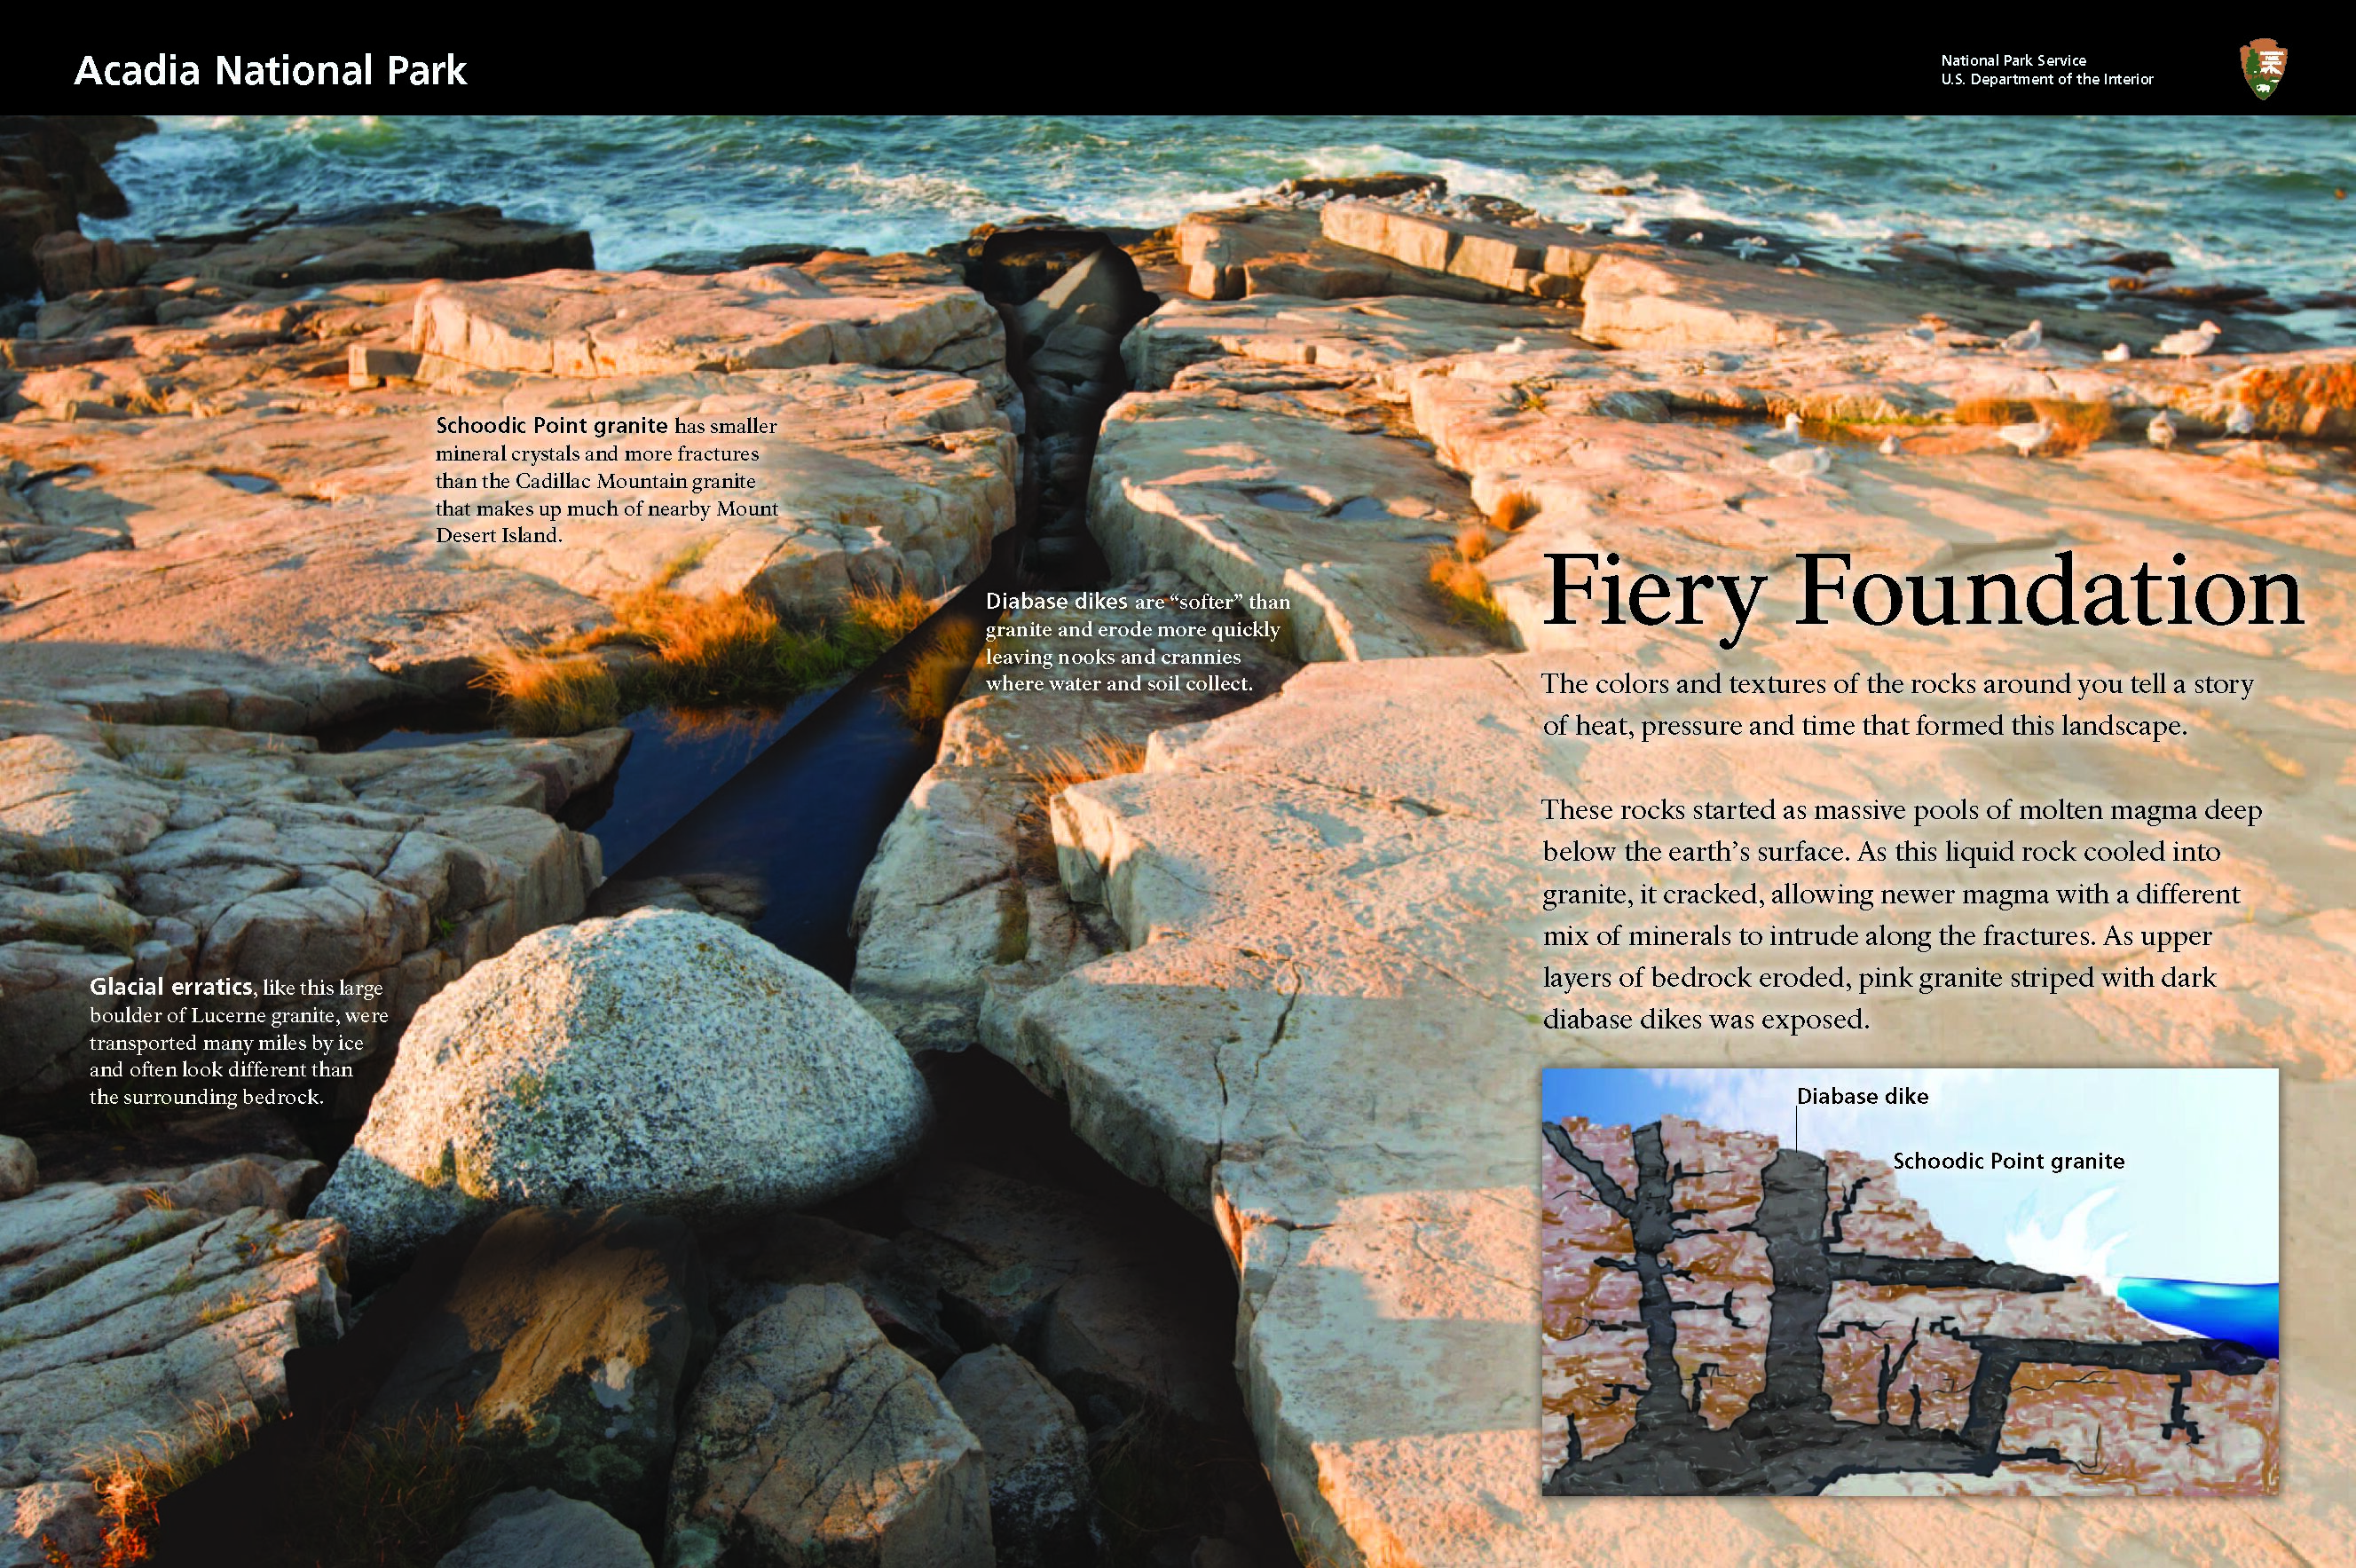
x=2070 y=1248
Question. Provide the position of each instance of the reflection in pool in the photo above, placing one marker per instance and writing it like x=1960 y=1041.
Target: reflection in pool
x=677 y=757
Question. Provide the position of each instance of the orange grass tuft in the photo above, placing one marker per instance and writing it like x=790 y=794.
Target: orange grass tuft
x=1464 y=592
x=1992 y=411
x=1514 y=509
x=704 y=651
x=2076 y=425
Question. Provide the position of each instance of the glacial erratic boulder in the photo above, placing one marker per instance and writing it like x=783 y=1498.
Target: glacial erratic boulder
x=1038 y=1452
x=812 y=1439
x=661 y=1059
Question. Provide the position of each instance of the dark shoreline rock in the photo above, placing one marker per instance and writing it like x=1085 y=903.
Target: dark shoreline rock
x=52 y=174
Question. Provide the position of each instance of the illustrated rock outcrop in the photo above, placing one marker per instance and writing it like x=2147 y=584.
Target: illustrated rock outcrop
x=1724 y=1315
x=661 y=1059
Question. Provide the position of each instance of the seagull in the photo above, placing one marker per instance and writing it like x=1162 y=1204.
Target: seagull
x=1804 y=464
x=2161 y=431
x=1745 y=249
x=1890 y=446
x=2027 y=338
x=2118 y=353
x=1694 y=238
x=2241 y=421
x=1791 y=431
x=1632 y=225
x=2025 y=438
x=1791 y=260
x=1512 y=346
x=2185 y=345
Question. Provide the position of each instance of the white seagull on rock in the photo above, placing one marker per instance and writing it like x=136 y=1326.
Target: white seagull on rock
x=1890 y=446
x=1804 y=464
x=2118 y=353
x=2025 y=438
x=2185 y=345
x=1746 y=248
x=2027 y=338
x=1694 y=238
x=2241 y=421
x=2161 y=431
x=1791 y=431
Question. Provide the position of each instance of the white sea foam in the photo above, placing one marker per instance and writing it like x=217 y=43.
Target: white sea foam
x=2070 y=1248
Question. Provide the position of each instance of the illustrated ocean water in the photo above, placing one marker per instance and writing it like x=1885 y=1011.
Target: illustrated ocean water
x=2247 y=1314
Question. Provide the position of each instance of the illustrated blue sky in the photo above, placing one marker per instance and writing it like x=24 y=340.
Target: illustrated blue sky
x=2199 y=1198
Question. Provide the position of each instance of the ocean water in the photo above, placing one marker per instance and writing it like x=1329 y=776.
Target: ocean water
x=2244 y=200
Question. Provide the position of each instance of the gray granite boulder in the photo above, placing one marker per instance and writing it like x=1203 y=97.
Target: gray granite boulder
x=661 y=1059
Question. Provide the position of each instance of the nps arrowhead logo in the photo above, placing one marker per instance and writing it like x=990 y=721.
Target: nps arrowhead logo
x=2263 y=64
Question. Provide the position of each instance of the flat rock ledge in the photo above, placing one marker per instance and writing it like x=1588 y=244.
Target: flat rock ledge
x=139 y=1323
x=220 y=484
x=171 y=851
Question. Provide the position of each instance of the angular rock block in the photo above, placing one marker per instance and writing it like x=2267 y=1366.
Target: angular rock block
x=1361 y=336
x=1037 y=1454
x=813 y=1440
x=756 y=1263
